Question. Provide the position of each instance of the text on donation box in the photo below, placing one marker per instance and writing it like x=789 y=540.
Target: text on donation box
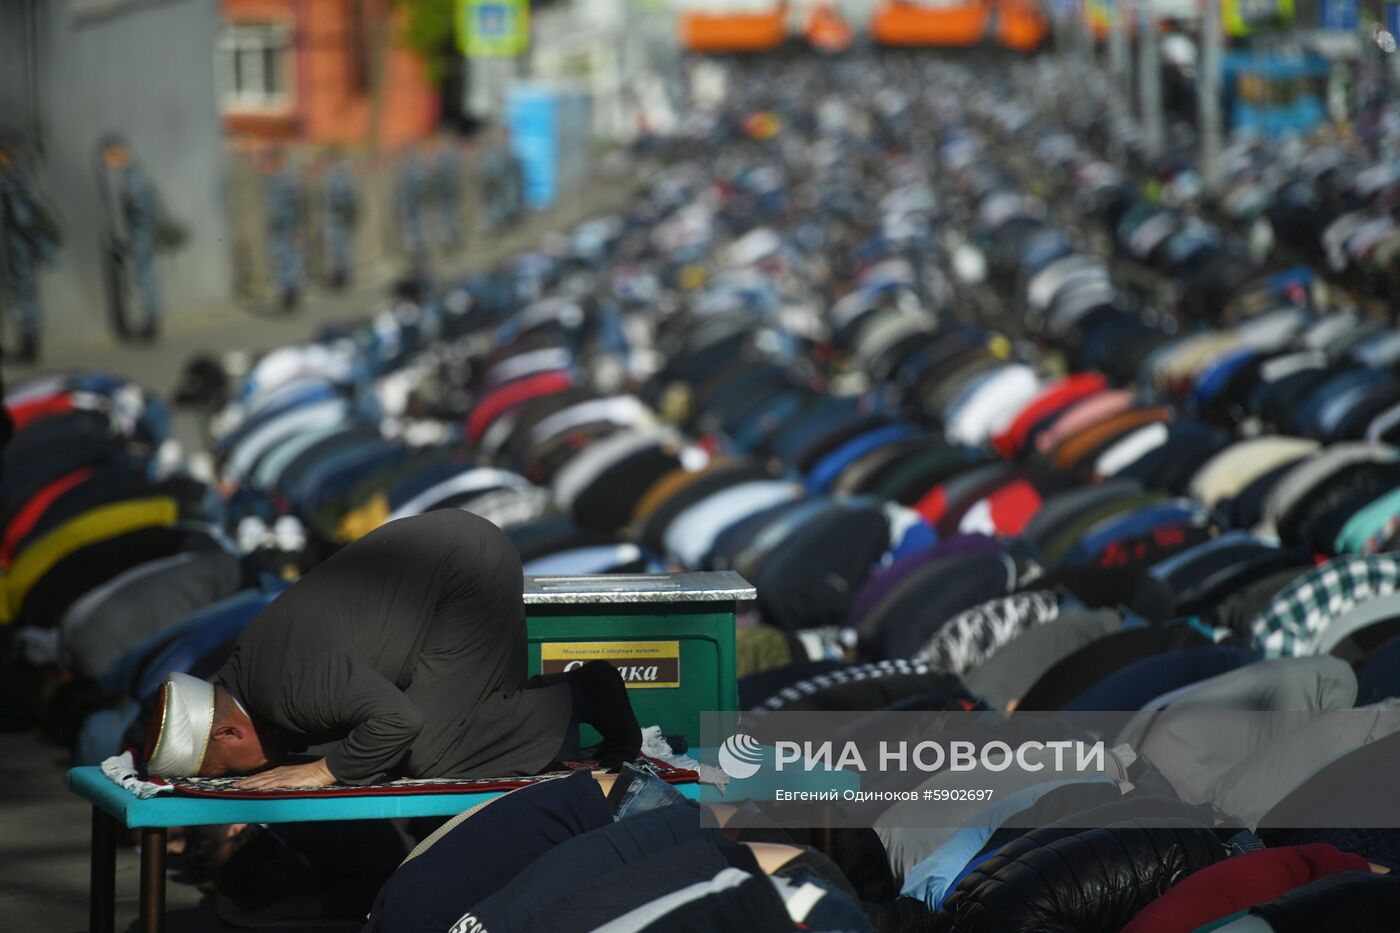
x=642 y=664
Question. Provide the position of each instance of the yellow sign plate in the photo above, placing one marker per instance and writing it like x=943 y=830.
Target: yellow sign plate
x=643 y=664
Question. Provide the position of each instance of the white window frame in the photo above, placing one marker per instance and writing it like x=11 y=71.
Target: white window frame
x=250 y=42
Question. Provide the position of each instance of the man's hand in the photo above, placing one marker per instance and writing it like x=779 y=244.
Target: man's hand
x=312 y=774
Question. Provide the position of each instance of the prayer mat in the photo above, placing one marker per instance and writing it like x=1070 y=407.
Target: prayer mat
x=222 y=787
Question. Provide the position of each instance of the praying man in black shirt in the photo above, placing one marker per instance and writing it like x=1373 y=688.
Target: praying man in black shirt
x=404 y=654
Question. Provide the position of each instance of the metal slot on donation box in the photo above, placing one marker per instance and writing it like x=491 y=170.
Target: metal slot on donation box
x=671 y=636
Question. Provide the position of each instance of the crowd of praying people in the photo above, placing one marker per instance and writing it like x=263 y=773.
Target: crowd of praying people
x=875 y=335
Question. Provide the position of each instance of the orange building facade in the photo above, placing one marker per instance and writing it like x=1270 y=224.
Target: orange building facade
x=305 y=71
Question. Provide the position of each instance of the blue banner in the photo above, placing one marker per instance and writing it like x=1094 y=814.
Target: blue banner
x=1339 y=14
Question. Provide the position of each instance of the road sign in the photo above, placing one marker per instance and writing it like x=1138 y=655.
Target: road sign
x=1246 y=17
x=493 y=28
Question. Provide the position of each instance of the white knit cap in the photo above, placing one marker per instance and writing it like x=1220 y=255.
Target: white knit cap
x=186 y=719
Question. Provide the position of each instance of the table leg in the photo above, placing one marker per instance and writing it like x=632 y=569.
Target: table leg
x=102 y=881
x=152 y=880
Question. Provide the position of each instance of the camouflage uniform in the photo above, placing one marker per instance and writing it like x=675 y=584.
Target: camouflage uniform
x=286 y=210
x=141 y=213
x=446 y=186
x=30 y=238
x=412 y=194
x=341 y=203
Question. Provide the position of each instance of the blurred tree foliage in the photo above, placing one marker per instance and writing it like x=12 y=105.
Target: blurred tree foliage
x=428 y=30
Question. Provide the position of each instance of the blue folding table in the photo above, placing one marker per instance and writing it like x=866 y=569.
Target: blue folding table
x=678 y=627
x=113 y=806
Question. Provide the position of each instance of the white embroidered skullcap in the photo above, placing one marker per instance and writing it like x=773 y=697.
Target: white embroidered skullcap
x=185 y=719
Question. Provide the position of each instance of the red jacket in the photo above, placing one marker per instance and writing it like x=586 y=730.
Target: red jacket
x=1239 y=883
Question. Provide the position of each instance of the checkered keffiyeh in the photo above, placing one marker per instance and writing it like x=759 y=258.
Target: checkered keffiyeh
x=1290 y=625
x=972 y=636
x=806 y=688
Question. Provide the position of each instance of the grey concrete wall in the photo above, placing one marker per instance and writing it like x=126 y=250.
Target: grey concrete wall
x=18 y=104
x=145 y=70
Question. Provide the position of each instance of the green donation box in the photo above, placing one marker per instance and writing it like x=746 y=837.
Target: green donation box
x=670 y=635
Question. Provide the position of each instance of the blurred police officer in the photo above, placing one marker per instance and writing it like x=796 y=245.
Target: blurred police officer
x=286 y=227
x=411 y=197
x=133 y=228
x=445 y=182
x=28 y=237
x=498 y=198
x=340 y=212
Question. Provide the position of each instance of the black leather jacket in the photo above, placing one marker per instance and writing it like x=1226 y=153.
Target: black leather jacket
x=1063 y=879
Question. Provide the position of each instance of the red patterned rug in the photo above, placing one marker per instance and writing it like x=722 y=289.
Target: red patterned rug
x=223 y=787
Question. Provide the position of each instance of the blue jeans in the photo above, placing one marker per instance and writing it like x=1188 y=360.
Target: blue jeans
x=643 y=794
